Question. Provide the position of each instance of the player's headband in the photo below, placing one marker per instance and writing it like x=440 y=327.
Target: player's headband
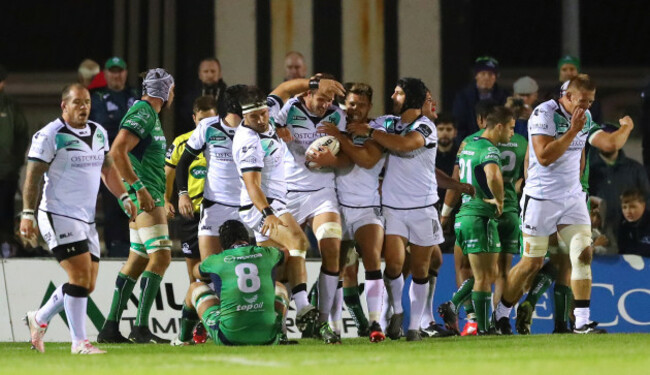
x=252 y=107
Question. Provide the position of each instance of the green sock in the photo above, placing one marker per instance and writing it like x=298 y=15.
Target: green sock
x=463 y=293
x=123 y=289
x=562 y=297
x=541 y=282
x=189 y=319
x=313 y=294
x=353 y=302
x=481 y=302
x=149 y=285
x=469 y=309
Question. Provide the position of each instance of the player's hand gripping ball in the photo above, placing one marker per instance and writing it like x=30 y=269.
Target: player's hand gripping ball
x=326 y=142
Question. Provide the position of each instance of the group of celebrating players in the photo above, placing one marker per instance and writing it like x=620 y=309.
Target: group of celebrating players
x=252 y=170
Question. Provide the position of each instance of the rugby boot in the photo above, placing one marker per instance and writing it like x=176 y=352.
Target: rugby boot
x=470 y=328
x=36 y=331
x=589 y=328
x=435 y=330
x=561 y=328
x=524 y=318
x=142 y=335
x=85 y=347
x=326 y=334
x=307 y=315
x=376 y=334
x=284 y=340
x=448 y=314
x=110 y=334
x=413 y=335
x=394 y=330
x=502 y=326
x=178 y=342
x=200 y=335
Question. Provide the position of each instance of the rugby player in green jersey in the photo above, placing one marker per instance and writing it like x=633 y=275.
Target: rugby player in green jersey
x=139 y=153
x=248 y=305
x=476 y=225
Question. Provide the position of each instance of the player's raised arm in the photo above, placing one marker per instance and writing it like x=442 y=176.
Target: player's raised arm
x=610 y=142
x=293 y=87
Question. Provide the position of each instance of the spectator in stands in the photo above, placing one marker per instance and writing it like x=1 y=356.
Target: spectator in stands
x=294 y=66
x=601 y=240
x=645 y=126
x=14 y=137
x=634 y=230
x=486 y=70
x=210 y=83
x=109 y=105
x=445 y=160
x=612 y=173
x=87 y=70
x=522 y=103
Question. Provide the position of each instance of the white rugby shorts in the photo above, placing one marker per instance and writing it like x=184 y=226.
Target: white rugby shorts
x=354 y=218
x=213 y=215
x=253 y=218
x=59 y=230
x=541 y=217
x=420 y=226
x=306 y=205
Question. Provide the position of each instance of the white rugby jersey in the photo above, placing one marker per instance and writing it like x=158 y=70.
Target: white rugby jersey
x=410 y=178
x=76 y=157
x=302 y=124
x=358 y=187
x=562 y=177
x=214 y=139
x=263 y=153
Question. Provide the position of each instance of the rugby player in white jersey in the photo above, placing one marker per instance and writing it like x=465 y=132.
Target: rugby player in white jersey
x=311 y=194
x=409 y=192
x=67 y=151
x=357 y=187
x=553 y=198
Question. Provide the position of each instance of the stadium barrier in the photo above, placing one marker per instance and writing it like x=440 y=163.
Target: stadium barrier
x=621 y=297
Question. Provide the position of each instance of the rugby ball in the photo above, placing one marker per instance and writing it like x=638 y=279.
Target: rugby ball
x=327 y=141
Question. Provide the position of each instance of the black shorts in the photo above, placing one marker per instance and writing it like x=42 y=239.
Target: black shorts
x=190 y=237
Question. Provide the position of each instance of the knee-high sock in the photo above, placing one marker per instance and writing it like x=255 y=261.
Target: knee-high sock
x=427 y=315
x=482 y=301
x=374 y=295
x=189 y=319
x=336 y=311
x=463 y=294
x=353 y=303
x=327 y=285
x=123 y=288
x=541 y=282
x=149 y=286
x=394 y=287
x=386 y=309
x=562 y=296
x=75 y=302
x=53 y=306
x=581 y=312
x=299 y=293
x=418 y=295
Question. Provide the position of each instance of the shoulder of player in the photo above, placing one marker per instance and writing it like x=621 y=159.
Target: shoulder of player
x=273 y=100
x=50 y=129
x=182 y=138
x=244 y=135
x=546 y=108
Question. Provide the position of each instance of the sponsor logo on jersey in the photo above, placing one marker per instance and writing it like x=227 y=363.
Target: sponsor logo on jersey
x=252 y=299
x=216 y=138
x=251 y=307
x=232 y=258
x=65 y=235
x=298 y=118
x=199 y=172
x=70 y=143
x=159 y=138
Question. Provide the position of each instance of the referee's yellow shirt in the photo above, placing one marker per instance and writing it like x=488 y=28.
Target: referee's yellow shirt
x=198 y=169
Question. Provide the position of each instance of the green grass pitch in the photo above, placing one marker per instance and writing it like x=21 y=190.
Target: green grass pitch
x=615 y=354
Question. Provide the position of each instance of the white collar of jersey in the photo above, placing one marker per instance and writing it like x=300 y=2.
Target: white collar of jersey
x=227 y=127
x=564 y=111
x=82 y=132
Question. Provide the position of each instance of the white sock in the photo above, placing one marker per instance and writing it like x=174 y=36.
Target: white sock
x=418 y=295
x=427 y=315
x=301 y=300
x=386 y=310
x=374 y=297
x=53 y=306
x=75 y=309
x=582 y=316
x=326 y=292
x=394 y=288
x=503 y=311
x=335 y=318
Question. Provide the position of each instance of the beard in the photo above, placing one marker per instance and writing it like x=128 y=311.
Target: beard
x=397 y=108
x=444 y=142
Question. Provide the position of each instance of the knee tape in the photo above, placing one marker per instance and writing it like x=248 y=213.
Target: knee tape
x=351 y=258
x=329 y=230
x=535 y=247
x=155 y=237
x=298 y=253
x=282 y=294
x=200 y=294
x=136 y=243
x=579 y=238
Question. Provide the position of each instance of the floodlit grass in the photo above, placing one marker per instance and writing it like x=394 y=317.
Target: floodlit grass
x=615 y=354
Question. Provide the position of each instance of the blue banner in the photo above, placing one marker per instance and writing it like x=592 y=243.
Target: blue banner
x=620 y=298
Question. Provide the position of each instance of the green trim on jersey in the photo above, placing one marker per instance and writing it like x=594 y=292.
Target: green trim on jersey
x=148 y=156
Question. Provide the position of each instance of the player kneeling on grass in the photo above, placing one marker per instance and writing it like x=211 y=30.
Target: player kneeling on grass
x=248 y=306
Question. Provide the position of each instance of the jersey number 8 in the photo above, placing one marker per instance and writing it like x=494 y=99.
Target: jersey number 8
x=248 y=280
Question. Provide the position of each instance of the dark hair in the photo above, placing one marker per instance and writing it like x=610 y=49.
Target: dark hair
x=251 y=96
x=232 y=231
x=416 y=92
x=65 y=92
x=358 y=88
x=499 y=115
x=484 y=107
x=210 y=59
x=445 y=118
x=633 y=194
x=233 y=97
x=582 y=82
x=204 y=104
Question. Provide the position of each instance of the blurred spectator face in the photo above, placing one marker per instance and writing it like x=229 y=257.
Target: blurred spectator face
x=632 y=209
x=485 y=80
x=200 y=115
x=429 y=107
x=294 y=67
x=357 y=107
x=318 y=102
x=87 y=70
x=528 y=99
x=115 y=78
x=209 y=72
x=567 y=72
x=398 y=97
x=446 y=133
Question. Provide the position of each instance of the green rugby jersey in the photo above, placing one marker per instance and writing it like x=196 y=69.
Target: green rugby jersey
x=148 y=157
x=244 y=279
x=475 y=155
